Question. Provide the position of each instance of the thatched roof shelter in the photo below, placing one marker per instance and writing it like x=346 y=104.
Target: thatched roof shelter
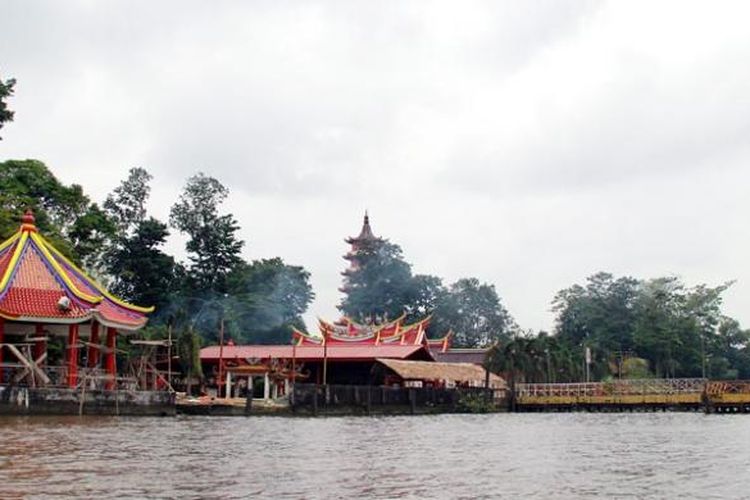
x=457 y=373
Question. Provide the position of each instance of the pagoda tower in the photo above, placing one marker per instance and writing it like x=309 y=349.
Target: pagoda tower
x=362 y=243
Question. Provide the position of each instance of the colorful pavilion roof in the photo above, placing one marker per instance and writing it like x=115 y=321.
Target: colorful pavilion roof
x=349 y=333
x=39 y=284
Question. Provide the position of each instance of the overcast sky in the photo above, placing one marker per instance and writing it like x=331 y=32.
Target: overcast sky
x=527 y=143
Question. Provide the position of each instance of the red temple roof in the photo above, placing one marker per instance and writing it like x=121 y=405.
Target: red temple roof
x=39 y=284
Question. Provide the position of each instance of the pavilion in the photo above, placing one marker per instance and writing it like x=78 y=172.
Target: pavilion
x=58 y=326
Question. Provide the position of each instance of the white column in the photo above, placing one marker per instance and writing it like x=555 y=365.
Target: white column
x=286 y=387
x=228 y=393
x=250 y=384
x=266 y=388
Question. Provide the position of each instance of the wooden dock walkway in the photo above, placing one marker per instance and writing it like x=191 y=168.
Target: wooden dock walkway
x=636 y=395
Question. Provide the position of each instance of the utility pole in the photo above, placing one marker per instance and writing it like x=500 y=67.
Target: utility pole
x=221 y=353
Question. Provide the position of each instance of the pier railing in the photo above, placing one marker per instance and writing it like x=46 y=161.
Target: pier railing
x=614 y=388
x=687 y=393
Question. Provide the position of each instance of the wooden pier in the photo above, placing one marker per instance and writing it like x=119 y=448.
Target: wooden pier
x=636 y=395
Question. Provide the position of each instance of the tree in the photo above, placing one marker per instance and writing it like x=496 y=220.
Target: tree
x=266 y=299
x=380 y=285
x=599 y=315
x=472 y=310
x=140 y=271
x=424 y=294
x=6 y=90
x=126 y=205
x=674 y=328
x=213 y=247
x=68 y=218
x=188 y=348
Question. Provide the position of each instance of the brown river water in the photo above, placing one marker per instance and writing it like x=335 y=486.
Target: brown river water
x=577 y=455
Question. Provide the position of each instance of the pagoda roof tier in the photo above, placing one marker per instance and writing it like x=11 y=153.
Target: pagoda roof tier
x=365 y=234
x=39 y=284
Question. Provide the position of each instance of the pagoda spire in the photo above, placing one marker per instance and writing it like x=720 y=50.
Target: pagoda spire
x=366 y=232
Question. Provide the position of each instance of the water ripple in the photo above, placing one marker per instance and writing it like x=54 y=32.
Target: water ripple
x=448 y=456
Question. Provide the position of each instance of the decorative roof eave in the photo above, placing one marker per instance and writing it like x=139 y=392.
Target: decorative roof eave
x=120 y=327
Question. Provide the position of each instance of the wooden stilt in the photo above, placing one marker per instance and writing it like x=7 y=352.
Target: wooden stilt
x=93 y=352
x=109 y=358
x=40 y=346
x=72 y=355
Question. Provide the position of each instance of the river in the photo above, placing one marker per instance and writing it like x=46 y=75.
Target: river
x=575 y=455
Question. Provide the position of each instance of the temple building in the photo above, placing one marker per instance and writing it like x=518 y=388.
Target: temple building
x=345 y=352
x=58 y=326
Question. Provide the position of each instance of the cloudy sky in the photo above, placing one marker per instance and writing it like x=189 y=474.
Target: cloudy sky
x=527 y=143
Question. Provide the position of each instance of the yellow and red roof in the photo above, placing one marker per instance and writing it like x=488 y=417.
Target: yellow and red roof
x=35 y=276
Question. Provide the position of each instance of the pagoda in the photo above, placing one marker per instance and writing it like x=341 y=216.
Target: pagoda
x=364 y=242
x=46 y=299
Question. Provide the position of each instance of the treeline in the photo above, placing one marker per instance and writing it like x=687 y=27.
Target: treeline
x=123 y=247
x=633 y=328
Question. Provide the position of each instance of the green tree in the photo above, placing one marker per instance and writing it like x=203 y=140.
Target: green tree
x=188 y=349
x=140 y=271
x=600 y=315
x=6 y=91
x=424 y=294
x=266 y=299
x=213 y=247
x=473 y=311
x=66 y=216
x=126 y=205
x=381 y=284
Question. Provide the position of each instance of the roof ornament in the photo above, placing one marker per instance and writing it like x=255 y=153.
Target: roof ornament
x=28 y=221
x=63 y=303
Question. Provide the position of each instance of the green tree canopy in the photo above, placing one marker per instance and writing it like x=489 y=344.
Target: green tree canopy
x=380 y=285
x=66 y=216
x=6 y=91
x=213 y=247
x=473 y=312
x=266 y=299
x=680 y=331
x=140 y=271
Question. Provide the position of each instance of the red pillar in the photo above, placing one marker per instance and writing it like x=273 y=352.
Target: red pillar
x=109 y=358
x=93 y=353
x=2 y=339
x=72 y=355
x=40 y=345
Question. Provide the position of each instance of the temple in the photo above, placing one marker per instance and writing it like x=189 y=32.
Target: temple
x=58 y=326
x=345 y=352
